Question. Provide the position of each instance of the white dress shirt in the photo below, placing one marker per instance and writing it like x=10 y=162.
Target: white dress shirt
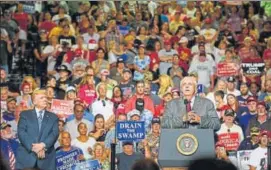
x=105 y=109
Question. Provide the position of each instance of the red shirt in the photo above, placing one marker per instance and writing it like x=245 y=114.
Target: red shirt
x=183 y=64
x=154 y=59
x=184 y=53
x=21 y=18
x=267 y=54
x=47 y=25
x=130 y=104
x=92 y=56
x=87 y=94
x=159 y=110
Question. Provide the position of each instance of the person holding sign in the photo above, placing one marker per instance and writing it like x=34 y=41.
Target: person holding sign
x=67 y=156
x=228 y=127
x=191 y=111
x=99 y=153
x=37 y=132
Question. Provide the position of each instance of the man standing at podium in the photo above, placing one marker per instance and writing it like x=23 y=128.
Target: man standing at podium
x=190 y=111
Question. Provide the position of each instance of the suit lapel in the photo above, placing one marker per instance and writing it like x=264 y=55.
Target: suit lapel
x=196 y=104
x=43 y=123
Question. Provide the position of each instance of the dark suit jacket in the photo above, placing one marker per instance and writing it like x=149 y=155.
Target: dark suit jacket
x=28 y=133
x=176 y=109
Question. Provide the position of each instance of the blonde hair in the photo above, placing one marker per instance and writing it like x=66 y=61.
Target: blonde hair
x=166 y=84
x=268 y=42
x=112 y=44
x=192 y=79
x=104 y=156
x=84 y=80
x=32 y=82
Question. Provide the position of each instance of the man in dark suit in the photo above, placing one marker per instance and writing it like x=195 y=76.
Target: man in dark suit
x=37 y=132
x=190 y=111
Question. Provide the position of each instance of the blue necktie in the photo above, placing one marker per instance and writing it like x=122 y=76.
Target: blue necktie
x=40 y=119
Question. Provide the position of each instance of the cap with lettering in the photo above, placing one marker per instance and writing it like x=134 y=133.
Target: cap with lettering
x=254 y=131
x=229 y=112
x=156 y=120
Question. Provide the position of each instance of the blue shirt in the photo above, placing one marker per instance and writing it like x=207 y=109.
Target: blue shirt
x=87 y=115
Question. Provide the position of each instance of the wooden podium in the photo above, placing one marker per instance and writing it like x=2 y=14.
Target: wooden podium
x=179 y=147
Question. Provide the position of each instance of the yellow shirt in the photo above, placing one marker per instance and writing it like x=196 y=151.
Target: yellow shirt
x=57 y=31
x=173 y=27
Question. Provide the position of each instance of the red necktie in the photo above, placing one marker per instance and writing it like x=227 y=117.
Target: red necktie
x=11 y=158
x=188 y=106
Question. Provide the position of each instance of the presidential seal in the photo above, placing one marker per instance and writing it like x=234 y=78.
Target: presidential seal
x=187 y=144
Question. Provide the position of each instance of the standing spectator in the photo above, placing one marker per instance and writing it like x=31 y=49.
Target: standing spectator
x=244 y=118
x=102 y=105
x=66 y=37
x=176 y=72
x=126 y=84
x=83 y=141
x=61 y=14
x=37 y=150
x=251 y=142
x=86 y=90
x=141 y=64
x=204 y=68
x=231 y=84
x=99 y=132
x=100 y=63
x=229 y=127
x=128 y=157
x=166 y=55
x=8 y=145
x=72 y=125
x=5 y=49
x=148 y=103
x=46 y=24
x=91 y=35
x=258 y=159
x=261 y=120
x=99 y=153
x=63 y=81
x=25 y=100
x=242 y=99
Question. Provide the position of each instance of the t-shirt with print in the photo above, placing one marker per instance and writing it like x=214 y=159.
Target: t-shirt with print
x=142 y=64
x=127 y=90
x=258 y=158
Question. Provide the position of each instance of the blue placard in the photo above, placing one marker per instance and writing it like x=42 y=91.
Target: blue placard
x=66 y=160
x=200 y=88
x=131 y=130
x=88 y=165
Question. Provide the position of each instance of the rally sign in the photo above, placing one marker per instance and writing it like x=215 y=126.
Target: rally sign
x=62 y=108
x=131 y=130
x=88 y=165
x=226 y=69
x=243 y=159
x=230 y=140
x=67 y=160
x=253 y=68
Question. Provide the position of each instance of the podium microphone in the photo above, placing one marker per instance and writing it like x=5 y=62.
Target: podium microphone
x=186 y=114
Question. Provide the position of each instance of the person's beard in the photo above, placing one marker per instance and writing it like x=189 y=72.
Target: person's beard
x=244 y=93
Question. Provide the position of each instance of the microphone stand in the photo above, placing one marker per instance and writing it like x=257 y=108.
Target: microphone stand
x=269 y=156
x=186 y=114
x=113 y=148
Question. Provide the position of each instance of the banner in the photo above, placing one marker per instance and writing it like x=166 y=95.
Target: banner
x=226 y=69
x=88 y=165
x=62 y=108
x=230 y=140
x=3 y=106
x=30 y=9
x=131 y=130
x=67 y=160
x=253 y=68
x=243 y=159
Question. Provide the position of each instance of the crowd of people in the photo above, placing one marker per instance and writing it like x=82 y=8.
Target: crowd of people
x=133 y=61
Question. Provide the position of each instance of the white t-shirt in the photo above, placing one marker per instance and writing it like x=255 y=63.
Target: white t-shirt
x=106 y=108
x=258 y=158
x=204 y=70
x=84 y=146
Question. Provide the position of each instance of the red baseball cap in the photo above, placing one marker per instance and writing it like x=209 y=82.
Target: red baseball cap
x=251 y=99
x=208 y=21
x=167 y=42
x=261 y=103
